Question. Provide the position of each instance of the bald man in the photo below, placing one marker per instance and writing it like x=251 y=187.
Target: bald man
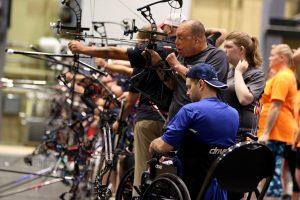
x=192 y=48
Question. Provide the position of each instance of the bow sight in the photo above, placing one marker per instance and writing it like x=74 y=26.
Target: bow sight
x=74 y=6
x=58 y=26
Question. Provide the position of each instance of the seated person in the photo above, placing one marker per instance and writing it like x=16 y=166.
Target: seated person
x=215 y=124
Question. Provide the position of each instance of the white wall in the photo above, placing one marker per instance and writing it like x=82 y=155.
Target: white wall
x=117 y=10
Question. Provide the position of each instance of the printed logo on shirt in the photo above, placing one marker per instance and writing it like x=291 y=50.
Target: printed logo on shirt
x=217 y=150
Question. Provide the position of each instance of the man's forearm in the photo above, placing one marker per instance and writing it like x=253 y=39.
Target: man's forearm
x=127 y=110
x=181 y=70
x=124 y=70
x=106 y=52
x=159 y=146
x=130 y=102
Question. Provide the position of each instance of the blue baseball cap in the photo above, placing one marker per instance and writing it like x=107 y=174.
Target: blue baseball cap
x=207 y=73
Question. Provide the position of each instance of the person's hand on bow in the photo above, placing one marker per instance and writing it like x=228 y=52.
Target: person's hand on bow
x=173 y=62
x=76 y=46
x=100 y=62
x=176 y=65
x=153 y=56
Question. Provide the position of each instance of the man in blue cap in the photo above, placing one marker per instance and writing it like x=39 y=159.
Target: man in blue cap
x=215 y=124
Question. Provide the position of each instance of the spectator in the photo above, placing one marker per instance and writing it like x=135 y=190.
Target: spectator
x=245 y=79
x=277 y=124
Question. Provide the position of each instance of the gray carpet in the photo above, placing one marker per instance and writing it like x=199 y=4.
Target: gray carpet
x=15 y=162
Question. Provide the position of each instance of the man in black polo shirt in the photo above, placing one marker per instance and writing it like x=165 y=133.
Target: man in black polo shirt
x=192 y=48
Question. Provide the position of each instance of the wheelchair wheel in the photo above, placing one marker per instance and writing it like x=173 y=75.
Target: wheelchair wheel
x=162 y=188
x=180 y=184
x=125 y=188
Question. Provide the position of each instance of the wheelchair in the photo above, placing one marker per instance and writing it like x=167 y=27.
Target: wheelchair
x=159 y=182
x=242 y=168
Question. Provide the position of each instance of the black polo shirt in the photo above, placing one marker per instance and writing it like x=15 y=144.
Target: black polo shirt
x=147 y=82
x=211 y=55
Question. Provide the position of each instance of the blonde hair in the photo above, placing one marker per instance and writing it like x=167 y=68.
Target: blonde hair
x=250 y=44
x=286 y=51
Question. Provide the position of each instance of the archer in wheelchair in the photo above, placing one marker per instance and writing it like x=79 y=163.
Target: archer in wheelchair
x=215 y=124
x=203 y=134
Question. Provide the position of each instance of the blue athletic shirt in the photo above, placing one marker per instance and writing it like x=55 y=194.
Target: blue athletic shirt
x=216 y=123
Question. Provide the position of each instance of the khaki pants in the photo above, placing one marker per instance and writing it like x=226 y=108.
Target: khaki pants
x=145 y=132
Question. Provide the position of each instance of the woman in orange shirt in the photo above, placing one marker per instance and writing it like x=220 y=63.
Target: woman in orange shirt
x=277 y=124
x=294 y=164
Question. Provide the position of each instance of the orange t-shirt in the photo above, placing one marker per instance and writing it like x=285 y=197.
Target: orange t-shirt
x=282 y=87
x=298 y=108
x=298 y=114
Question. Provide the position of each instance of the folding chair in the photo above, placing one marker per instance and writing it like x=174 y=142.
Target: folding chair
x=241 y=169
